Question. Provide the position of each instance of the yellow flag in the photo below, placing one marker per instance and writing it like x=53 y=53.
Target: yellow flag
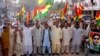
x=97 y=18
x=44 y=10
x=90 y=38
x=23 y=9
x=40 y=1
x=48 y=6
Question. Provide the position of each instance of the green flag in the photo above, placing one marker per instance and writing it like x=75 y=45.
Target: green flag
x=98 y=22
x=50 y=2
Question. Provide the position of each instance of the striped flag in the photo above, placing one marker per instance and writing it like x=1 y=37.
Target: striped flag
x=22 y=11
x=65 y=8
x=97 y=18
x=95 y=45
x=28 y=17
x=42 y=9
x=78 y=11
x=40 y=1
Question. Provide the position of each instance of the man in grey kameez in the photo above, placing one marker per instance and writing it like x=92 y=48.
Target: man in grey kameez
x=76 y=39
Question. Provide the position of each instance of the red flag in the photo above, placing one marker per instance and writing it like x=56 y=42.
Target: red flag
x=35 y=11
x=79 y=11
x=28 y=17
x=81 y=6
x=98 y=14
x=75 y=6
x=41 y=7
x=65 y=8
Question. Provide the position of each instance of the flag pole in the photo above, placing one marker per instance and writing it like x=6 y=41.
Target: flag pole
x=92 y=12
x=5 y=3
x=21 y=20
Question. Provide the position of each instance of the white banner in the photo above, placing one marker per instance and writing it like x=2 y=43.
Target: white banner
x=88 y=5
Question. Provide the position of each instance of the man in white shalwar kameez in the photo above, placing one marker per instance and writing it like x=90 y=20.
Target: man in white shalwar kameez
x=56 y=37
x=18 y=48
x=11 y=48
x=76 y=39
x=27 y=40
x=67 y=35
x=37 y=38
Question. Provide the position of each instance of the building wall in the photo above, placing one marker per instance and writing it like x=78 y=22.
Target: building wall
x=88 y=5
x=1 y=6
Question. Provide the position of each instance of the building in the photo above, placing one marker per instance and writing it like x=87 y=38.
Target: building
x=90 y=8
x=2 y=6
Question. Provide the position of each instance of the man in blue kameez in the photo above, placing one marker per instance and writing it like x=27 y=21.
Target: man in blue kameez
x=46 y=39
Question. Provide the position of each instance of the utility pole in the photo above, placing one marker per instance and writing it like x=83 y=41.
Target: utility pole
x=92 y=12
x=5 y=9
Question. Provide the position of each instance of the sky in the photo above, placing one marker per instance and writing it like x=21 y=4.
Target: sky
x=59 y=0
x=16 y=1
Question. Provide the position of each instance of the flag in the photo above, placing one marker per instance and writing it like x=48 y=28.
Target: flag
x=28 y=17
x=91 y=37
x=81 y=6
x=43 y=8
x=48 y=6
x=42 y=13
x=18 y=15
x=65 y=8
x=78 y=12
x=50 y=2
x=22 y=11
x=91 y=40
x=76 y=18
x=35 y=12
x=40 y=1
x=97 y=18
x=98 y=22
x=45 y=2
x=97 y=15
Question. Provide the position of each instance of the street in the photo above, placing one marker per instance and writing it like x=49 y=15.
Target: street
x=71 y=55
x=37 y=27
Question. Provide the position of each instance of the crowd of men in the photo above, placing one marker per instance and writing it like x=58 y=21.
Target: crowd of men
x=53 y=36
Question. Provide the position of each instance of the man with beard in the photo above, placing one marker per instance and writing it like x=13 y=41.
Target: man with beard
x=46 y=39
x=76 y=39
x=27 y=40
x=37 y=38
x=18 y=41
x=67 y=35
x=56 y=37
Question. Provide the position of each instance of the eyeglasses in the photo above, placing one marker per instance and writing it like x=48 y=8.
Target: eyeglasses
x=96 y=38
